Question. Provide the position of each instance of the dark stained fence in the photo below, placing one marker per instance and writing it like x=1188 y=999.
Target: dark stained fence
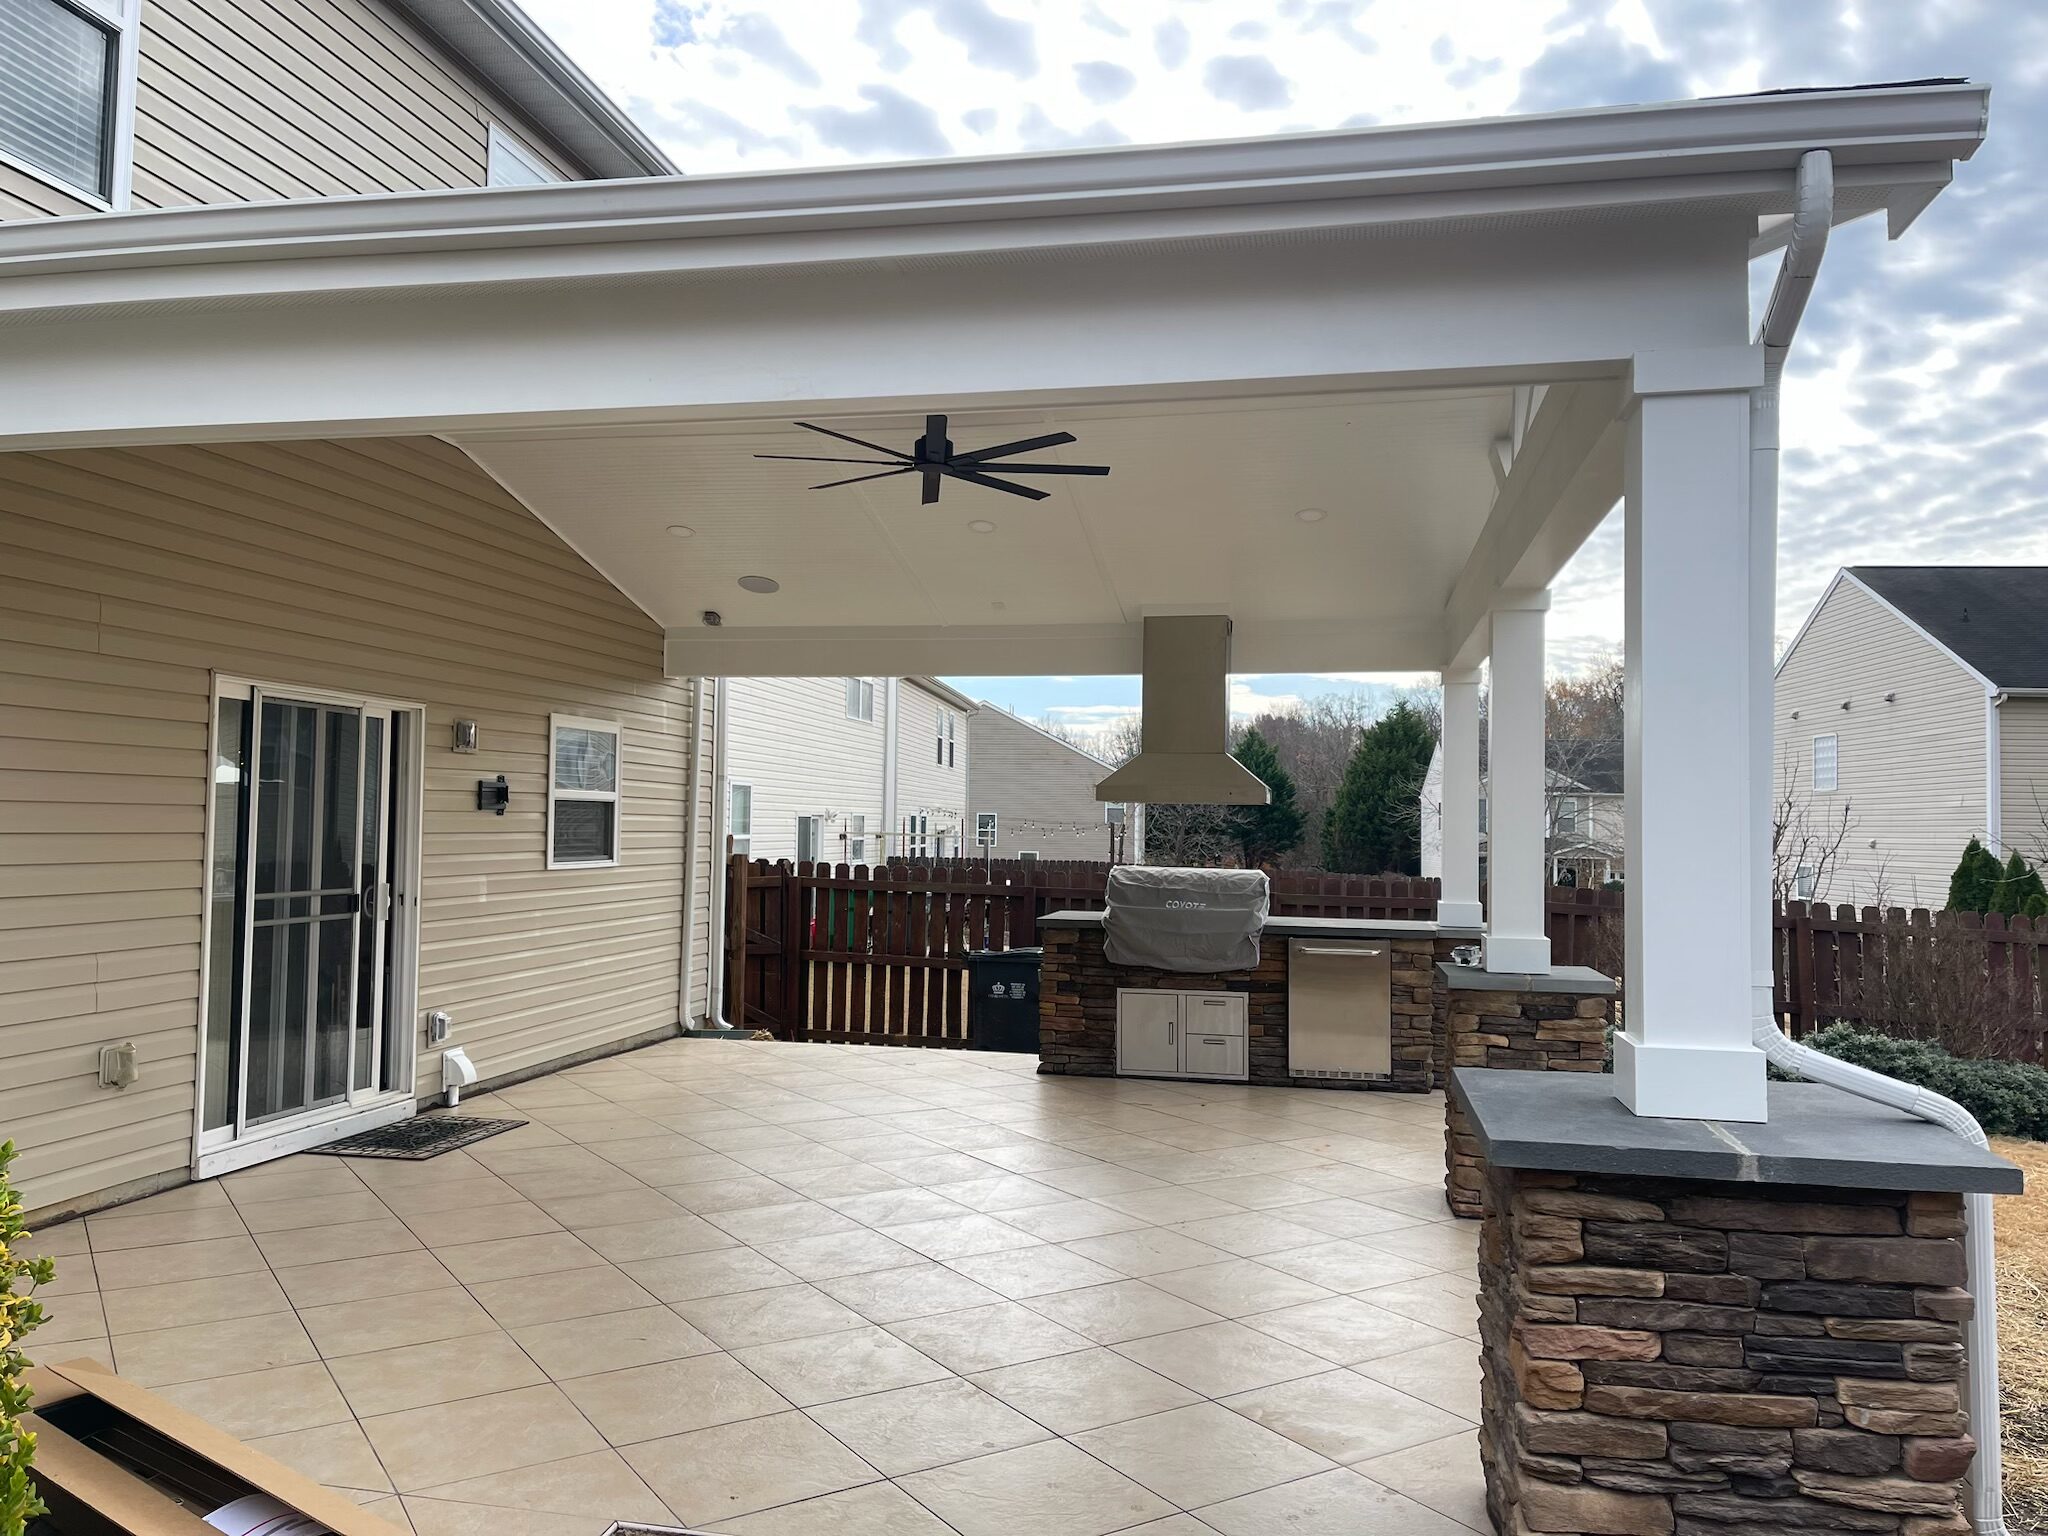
x=878 y=955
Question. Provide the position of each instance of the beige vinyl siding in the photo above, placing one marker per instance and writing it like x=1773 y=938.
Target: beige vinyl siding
x=921 y=783
x=789 y=738
x=2023 y=776
x=391 y=568
x=1911 y=771
x=1041 y=789
x=256 y=100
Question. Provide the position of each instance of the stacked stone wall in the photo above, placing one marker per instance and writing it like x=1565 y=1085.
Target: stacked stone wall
x=1667 y=1359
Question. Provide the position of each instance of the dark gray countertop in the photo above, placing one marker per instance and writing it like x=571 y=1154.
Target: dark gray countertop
x=1304 y=927
x=1571 y=1122
x=1571 y=980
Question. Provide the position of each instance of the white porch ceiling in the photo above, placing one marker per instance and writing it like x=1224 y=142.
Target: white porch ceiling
x=1198 y=515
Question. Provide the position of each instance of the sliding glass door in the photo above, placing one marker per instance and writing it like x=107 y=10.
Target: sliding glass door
x=304 y=944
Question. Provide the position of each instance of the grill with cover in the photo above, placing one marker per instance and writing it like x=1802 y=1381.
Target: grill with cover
x=1195 y=920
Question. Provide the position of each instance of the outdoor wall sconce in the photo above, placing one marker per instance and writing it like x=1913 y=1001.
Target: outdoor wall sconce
x=493 y=795
x=464 y=736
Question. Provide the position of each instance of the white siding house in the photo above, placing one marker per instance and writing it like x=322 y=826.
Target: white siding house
x=1032 y=793
x=1912 y=715
x=1583 y=815
x=845 y=769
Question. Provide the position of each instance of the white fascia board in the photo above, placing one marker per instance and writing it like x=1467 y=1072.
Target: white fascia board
x=1739 y=148
x=944 y=693
x=1078 y=650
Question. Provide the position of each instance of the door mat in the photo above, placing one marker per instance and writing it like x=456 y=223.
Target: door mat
x=419 y=1138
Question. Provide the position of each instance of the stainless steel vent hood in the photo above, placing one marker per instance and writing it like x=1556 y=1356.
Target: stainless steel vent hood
x=1184 y=730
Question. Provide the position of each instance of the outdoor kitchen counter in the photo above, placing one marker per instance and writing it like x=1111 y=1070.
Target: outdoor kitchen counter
x=1308 y=927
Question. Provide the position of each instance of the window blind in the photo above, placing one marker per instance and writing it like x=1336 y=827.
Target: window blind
x=56 y=81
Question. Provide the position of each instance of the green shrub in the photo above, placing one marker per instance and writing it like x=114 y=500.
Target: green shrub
x=20 y=1312
x=2009 y=1098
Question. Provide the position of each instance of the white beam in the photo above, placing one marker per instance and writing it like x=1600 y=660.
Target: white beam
x=1516 y=937
x=1458 y=903
x=1686 y=1051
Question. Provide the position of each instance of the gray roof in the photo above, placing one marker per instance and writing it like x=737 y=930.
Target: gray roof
x=1994 y=617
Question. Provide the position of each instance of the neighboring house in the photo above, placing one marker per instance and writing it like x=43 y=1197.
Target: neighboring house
x=1584 y=826
x=1033 y=796
x=242 y=834
x=1911 y=716
x=848 y=770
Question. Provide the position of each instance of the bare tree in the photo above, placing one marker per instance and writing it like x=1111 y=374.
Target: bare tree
x=1806 y=842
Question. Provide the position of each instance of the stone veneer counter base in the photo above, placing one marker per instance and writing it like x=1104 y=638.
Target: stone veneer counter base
x=1697 y=1329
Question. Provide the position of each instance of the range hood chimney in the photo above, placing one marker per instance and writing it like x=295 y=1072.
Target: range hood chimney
x=1184 y=728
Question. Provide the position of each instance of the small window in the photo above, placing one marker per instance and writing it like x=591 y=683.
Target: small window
x=810 y=833
x=1027 y=855
x=949 y=732
x=739 y=818
x=860 y=698
x=507 y=162
x=1825 y=759
x=985 y=829
x=1567 y=817
x=583 y=791
x=61 y=85
x=917 y=835
x=857 y=839
x=1802 y=883
x=1113 y=815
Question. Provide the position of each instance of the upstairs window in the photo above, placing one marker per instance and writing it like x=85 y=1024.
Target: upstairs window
x=509 y=163
x=61 y=90
x=1567 y=817
x=949 y=732
x=860 y=698
x=583 y=792
x=1825 y=759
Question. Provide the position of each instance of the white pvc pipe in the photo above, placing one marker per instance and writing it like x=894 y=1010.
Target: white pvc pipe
x=692 y=838
x=721 y=799
x=1813 y=213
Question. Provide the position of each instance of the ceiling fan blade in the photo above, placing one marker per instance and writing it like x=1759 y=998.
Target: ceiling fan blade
x=1048 y=469
x=932 y=446
x=812 y=426
x=972 y=478
x=1022 y=445
x=931 y=486
x=856 y=480
x=812 y=458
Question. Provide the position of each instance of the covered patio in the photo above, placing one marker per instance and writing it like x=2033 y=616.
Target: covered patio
x=798 y=1289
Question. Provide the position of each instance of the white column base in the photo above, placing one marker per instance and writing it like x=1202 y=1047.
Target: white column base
x=1523 y=956
x=1690 y=1082
x=1460 y=914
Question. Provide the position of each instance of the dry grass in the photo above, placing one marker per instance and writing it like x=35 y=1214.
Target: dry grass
x=2023 y=1336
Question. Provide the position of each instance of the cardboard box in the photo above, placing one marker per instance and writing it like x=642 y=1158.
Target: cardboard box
x=113 y=1459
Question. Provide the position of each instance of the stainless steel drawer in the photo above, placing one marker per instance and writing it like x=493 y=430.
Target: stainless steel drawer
x=1214 y=1013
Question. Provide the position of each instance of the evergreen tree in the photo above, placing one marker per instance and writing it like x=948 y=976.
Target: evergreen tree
x=2018 y=884
x=1974 y=884
x=1374 y=823
x=1266 y=833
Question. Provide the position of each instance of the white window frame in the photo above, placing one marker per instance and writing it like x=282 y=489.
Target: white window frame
x=1112 y=814
x=1567 y=817
x=502 y=145
x=917 y=835
x=948 y=739
x=1803 y=881
x=1027 y=855
x=1834 y=754
x=742 y=836
x=856 y=836
x=860 y=699
x=987 y=829
x=816 y=827
x=122 y=20
x=615 y=795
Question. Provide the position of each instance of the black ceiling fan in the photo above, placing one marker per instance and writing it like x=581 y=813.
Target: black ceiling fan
x=932 y=457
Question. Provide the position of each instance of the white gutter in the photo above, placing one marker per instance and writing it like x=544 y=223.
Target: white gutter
x=1811 y=219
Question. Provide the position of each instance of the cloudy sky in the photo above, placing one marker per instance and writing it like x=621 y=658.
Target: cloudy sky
x=1916 y=415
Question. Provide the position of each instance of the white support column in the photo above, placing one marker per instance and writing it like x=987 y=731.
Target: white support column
x=1458 y=904
x=1687 y=1050
x=1516 y=936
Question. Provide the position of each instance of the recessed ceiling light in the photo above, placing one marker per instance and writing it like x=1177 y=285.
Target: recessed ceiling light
x=760 y=584
x=982 y=525
x=1310 y=515
x=682 y=532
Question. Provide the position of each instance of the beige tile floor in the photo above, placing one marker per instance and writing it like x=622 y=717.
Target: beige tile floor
x=792 y=1290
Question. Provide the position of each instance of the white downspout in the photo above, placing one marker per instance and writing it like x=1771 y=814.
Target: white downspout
x=721 y=800
x=1813 y=213
x=693 y=821
x=892 y=845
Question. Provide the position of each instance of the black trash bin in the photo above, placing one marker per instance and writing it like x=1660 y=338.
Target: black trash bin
x=1004 y=986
